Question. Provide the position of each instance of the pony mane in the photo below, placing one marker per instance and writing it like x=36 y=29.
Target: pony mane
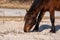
x=34 y=4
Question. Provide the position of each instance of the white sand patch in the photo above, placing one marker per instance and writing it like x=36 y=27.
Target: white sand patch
x=13 y=30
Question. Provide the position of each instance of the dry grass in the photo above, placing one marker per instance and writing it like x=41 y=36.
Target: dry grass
x=14 y=5
x=17 y=18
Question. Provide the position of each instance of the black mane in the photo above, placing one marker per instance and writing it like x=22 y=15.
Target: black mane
x=34 y=4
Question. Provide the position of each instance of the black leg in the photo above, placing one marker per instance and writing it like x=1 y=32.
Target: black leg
x=40 y=16
x=53 y=26
x=52 y=18
x=36 y=27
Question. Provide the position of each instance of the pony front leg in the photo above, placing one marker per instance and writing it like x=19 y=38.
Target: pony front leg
x=52 y=18
x=53 y=26
x=40 y=16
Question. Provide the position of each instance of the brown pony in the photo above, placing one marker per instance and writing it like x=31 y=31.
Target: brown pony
x=41 y=6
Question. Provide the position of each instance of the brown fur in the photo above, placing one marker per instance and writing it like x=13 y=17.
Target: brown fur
x=43 y=6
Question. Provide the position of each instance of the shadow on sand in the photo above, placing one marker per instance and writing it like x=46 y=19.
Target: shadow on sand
x=43 y=27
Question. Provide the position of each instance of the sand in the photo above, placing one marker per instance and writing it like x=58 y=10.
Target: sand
x=13 y=30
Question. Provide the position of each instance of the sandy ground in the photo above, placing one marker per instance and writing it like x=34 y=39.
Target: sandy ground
x=13 y=30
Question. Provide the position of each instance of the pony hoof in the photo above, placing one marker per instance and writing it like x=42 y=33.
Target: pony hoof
x=52 y=31
x=35 y=30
